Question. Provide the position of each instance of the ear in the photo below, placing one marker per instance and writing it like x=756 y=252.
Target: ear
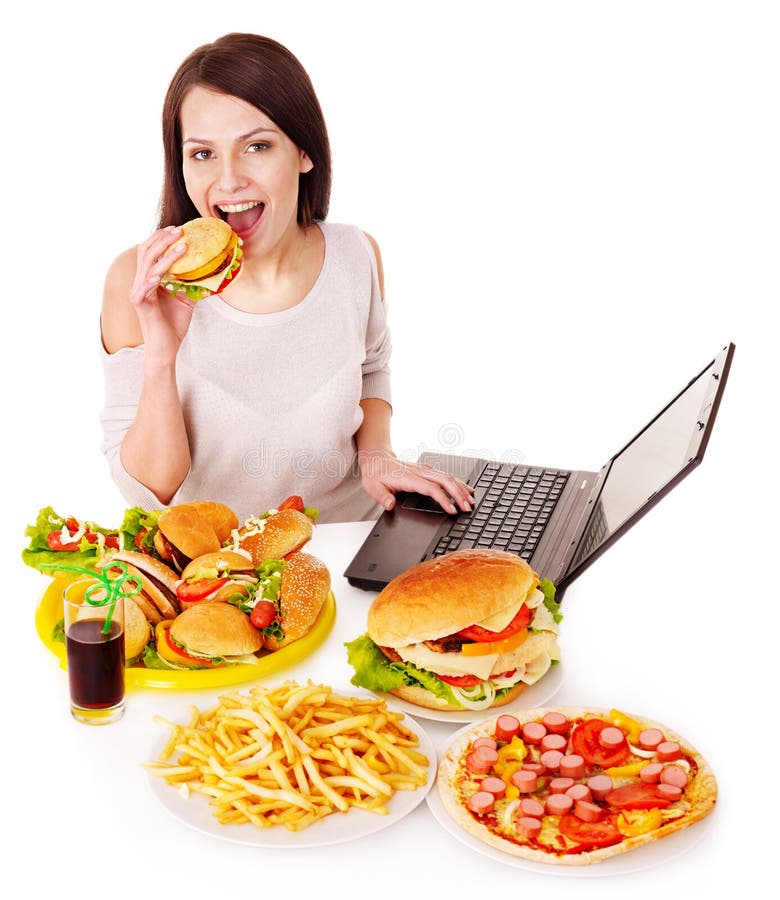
x=306 y=164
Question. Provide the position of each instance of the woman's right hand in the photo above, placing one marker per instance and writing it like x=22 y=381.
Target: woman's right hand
x=164 y=317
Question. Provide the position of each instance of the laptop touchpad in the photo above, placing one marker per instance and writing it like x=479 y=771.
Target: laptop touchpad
x=423 y=502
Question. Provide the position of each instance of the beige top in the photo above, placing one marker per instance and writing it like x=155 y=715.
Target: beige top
x=271 y=401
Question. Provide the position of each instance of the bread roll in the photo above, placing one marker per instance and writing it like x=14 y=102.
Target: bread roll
x=138 y=630
x=216 y=629
x=275 y=536
x=305 y=587
x=445 y=594
x=421 y=697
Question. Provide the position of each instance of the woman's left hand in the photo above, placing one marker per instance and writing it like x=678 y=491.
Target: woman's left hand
x=383 y=473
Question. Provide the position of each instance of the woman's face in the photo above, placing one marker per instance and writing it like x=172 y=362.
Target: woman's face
x=239 y=165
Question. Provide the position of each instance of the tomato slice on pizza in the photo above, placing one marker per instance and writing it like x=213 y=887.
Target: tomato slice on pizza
x=573 y=786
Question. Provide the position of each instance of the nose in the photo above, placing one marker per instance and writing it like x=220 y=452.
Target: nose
x=231 y=177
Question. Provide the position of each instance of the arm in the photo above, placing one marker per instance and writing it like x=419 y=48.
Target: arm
x=155 y=448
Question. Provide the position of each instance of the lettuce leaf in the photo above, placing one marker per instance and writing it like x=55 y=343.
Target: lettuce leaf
x=137 y=521
x=548 y=589
x=37 y=552
x=375 y=672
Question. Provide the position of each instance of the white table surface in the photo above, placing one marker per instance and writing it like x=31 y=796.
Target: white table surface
x=665 y=648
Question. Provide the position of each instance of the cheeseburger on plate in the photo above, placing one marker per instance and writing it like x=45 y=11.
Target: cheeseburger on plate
x=212 y=259
x=467 y=630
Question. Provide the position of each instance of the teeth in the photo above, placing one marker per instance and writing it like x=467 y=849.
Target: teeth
x=237 y=207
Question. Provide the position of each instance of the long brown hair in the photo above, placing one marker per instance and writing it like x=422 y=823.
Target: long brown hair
x=265 y=74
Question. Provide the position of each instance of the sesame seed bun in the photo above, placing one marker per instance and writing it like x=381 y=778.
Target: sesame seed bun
x=305 y=587
x=207 y=240
x=276 y=536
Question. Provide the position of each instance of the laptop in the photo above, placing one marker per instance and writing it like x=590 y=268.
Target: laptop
x=558 y=520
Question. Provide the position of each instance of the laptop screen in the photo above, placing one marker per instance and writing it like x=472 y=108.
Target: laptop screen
x=653 y=462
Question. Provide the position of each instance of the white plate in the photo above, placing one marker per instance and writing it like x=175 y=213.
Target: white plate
x=644 y=857
x=195 y=811
x=536 y=695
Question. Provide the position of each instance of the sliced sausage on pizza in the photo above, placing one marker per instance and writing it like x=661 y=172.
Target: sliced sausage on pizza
x=573 y=786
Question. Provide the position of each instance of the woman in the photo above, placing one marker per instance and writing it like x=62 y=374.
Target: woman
x=279 y=385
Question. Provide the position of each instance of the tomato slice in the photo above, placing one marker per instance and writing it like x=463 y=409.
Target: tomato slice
x=179 y=653
x=54 y=540
x=110 y=540
x=637 y=795
x=464 y=681
x=478 y=633
x=192 y=591
x=293 y=502
x=590 y=834
x=585 y=741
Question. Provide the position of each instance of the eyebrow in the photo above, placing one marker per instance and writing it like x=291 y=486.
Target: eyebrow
x=241 y=137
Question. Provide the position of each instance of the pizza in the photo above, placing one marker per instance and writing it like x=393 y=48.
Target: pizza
x=573 y=786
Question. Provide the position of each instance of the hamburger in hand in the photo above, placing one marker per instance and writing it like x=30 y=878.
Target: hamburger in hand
x=212 y=259
x=467 y=630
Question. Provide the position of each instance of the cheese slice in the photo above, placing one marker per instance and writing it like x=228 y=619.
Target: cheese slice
x=448 y=663
x=534 y=646
x=214 y=281
x=536 y=668
x=543 y=620
x=498 y=621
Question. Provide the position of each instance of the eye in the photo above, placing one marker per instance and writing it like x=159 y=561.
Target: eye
x=257 y=146
x=201 y=154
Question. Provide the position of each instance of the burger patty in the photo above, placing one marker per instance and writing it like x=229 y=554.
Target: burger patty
x=169 y=553
x=452 y=643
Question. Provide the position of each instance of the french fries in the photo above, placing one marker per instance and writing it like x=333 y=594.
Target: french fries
x=291 y=755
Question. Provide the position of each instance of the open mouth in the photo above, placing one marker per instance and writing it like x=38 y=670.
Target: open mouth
x=242 y=217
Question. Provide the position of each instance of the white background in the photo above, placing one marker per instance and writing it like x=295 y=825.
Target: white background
x=577 y=205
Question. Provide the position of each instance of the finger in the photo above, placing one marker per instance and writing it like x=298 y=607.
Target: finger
x=156 y=244
x=379 y=492
x=440 y=496
x=161 y=265
x=460 y=492
x=422 y=485
x=158 y=253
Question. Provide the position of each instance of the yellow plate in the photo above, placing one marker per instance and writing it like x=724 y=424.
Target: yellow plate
x=49 y=613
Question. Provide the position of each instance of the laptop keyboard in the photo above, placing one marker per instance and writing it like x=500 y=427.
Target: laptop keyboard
x=513 y=505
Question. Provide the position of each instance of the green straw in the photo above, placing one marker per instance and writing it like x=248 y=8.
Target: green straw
x=114 y=587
